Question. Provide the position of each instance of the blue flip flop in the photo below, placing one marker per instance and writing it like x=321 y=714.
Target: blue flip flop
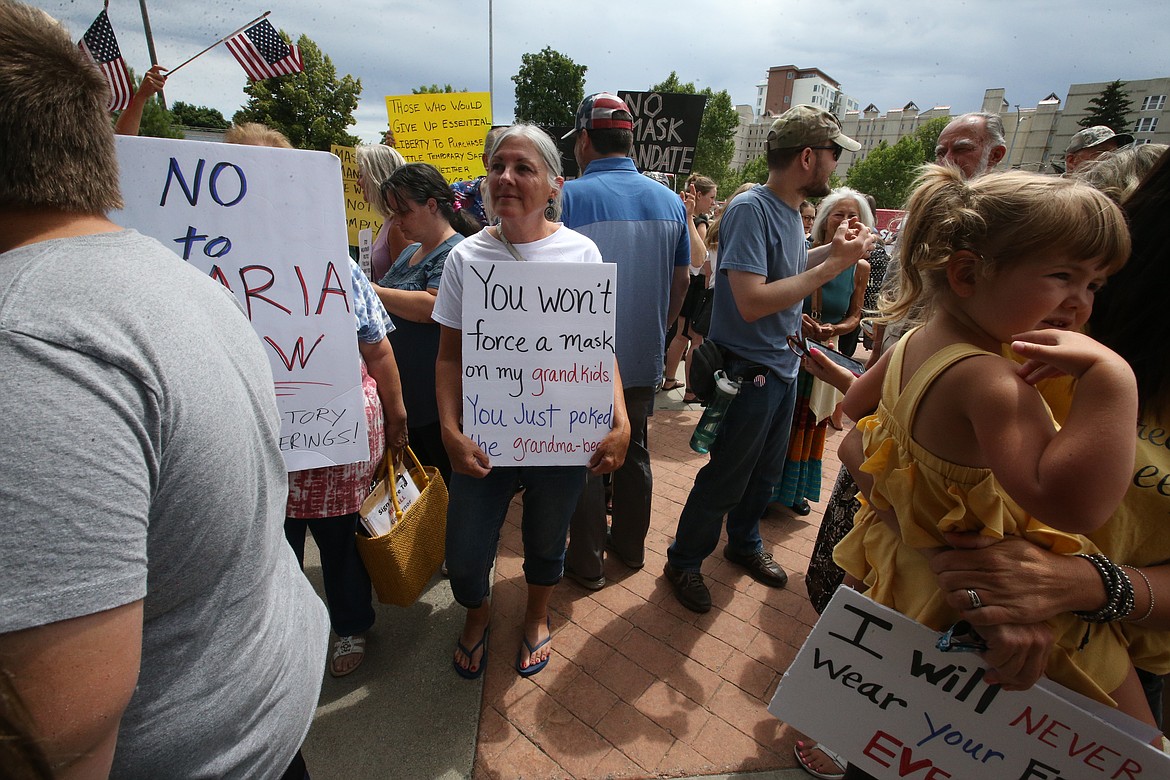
x=467 y=674
x=531 y=670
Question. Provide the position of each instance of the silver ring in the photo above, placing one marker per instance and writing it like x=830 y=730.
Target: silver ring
x=976 y=602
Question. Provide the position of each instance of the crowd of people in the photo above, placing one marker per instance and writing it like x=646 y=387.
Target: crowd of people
x=152 y=596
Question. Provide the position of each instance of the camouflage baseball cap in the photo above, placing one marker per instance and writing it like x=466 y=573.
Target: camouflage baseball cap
x=805 y=125
x=1098 y=134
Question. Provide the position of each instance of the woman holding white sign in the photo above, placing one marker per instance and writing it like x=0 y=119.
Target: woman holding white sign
x=523 y=188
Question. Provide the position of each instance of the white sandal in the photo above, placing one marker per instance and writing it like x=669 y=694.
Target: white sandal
x=345 y=646
x=805 y=765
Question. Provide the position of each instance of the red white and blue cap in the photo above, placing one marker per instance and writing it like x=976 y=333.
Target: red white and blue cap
x=602 y=111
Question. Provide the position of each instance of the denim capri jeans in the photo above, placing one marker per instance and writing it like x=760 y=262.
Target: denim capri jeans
x=476 y=512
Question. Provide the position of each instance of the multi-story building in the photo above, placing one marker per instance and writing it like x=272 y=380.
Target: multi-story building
x=785 y=86
x=1036 y=136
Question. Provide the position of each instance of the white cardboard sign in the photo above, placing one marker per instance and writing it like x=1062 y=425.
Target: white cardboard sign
x=538 y=359
x=268 y=224
x=871 y=684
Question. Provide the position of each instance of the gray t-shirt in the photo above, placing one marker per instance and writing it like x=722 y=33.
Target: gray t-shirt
x=141 y=462
x=761 y=234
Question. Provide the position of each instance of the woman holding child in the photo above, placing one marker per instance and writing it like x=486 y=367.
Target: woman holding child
x=1020 y=583
x=1010 y=474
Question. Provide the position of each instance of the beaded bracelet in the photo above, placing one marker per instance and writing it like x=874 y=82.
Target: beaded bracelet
x=1149 y=590
x=1118 y=591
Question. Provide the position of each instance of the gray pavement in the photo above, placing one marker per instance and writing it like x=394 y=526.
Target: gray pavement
x=404 y=713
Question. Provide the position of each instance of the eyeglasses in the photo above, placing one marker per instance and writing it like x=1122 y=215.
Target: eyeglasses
x=799 y=345
x=833 y=147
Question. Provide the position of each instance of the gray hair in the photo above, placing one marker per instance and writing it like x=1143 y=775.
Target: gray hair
x=375 y=163
x=545 y=147
x=832 y=199
x=992 y=126
x=1118 y=173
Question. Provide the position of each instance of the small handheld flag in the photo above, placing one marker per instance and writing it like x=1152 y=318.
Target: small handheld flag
x=102 y=47
x=263 y=53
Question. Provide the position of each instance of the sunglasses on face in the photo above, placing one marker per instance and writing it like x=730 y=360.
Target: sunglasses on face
x=832 y=147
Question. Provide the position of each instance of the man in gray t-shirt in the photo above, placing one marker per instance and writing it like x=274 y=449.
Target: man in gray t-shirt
x=152 y=617
x=763 y=260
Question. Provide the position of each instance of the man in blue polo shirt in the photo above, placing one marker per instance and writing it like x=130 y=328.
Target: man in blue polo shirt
x=766 y=272
x=640 y=226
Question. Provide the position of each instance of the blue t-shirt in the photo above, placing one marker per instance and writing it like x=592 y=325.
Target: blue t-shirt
x=641 y=227
x=761 y=234
x=416 y=344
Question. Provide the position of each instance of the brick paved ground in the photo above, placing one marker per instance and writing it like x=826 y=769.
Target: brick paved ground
x=639 y=686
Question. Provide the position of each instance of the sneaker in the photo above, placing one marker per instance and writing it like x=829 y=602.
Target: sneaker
x=689 y=588
x=760 y=566
x=588 y=583
x=633 y=563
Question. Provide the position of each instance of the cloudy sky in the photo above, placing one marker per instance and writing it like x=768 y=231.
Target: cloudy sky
x=934 y=53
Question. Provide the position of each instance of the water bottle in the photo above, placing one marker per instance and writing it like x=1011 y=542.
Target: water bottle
x=708 y=427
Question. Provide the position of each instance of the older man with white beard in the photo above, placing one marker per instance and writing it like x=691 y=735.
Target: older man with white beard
x=972 y=142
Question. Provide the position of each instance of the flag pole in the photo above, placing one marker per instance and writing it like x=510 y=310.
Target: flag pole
x=149 y=44
x=217 y=43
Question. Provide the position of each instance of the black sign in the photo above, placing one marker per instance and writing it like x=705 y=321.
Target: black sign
x=666 y=129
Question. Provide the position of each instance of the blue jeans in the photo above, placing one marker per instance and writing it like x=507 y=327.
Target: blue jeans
x=476 y=512
x=747 y=460
x=347 y=585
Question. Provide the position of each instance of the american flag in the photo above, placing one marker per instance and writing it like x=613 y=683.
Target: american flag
x=263 y=53
x=102 y=47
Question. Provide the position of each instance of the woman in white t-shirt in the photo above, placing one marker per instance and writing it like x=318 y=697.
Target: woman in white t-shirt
x=523 y=187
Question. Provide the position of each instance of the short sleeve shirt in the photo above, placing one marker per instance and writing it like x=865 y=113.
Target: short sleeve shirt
x=759 y=234
x=564 y=246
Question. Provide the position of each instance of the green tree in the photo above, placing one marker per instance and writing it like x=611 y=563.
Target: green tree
x=927 y=136
x=1111 y=108
x=198 y=116
x=887 y=172
x=313 y=108
x=435 y=88
x=716 y=144
x=756 y=171
x=157 y=122
x=549 y=87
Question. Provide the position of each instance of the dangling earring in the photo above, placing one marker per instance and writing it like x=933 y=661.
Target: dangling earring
x=550 y=211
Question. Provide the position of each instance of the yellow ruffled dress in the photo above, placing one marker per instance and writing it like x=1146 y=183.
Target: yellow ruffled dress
x=931 y=496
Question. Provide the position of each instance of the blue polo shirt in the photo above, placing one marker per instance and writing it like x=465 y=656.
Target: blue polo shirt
x=761 y=234
x=640 y=226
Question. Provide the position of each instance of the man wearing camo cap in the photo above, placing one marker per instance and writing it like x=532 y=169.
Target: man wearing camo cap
x=766 y=275
x=1091 y=143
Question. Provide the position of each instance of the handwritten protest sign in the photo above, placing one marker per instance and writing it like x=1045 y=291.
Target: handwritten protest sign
x=666 y=129
x=443 y=129
x=538 y=360
x=871 y=684
x=359 y=214
x=268 y=225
